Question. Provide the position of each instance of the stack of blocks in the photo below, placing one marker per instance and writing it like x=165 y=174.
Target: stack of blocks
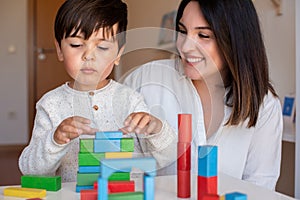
x=105 y=145
x=208 y=176
x=108 y=160
x=34 y=186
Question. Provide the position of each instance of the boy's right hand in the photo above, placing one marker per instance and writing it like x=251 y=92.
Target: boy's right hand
x=71 y=128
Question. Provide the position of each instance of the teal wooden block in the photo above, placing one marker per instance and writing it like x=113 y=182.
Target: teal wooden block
x=127 y=145
x=49 y=183
x=86 y=145
x=112 y=145
x=108 y=135
x=235 y=196
x=207 y=161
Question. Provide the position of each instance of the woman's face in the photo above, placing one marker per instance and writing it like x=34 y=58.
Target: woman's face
x=196 y=44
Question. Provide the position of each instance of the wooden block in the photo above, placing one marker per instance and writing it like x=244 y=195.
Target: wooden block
x=24 y=192
x=88 y=179
x=108 y=166
x=108 y=135
x=88 y=195
x=118 y=155
x=90 y=159
x=112 y=145
x=207 y=161
x=207 y=186
x=126 y=196
x=89 y=169
x=184 y=156
x=149 y=187
x=84 y=187
x=119 y=186
x=210 y=197
x=49 y=183
x=86 y=145
x=127 y=144
x=235 y=196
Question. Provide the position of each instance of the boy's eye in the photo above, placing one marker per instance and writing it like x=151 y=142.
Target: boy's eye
x=75 y=45
x=102 y=48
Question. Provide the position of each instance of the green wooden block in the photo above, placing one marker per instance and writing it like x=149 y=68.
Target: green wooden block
x=90 y=159
x=49 y=183
x=126 y=196
x=85 y=179
x=120 y=176
x=127 y=145
x=86 y=145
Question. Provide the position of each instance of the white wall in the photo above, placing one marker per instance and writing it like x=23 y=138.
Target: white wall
x=279 y=36
x=13 y=76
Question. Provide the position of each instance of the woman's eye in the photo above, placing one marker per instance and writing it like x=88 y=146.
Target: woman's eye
x=201 y=35
x=182 y=32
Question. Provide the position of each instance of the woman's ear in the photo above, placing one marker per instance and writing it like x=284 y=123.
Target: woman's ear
x=117 y=60
x=59 y=52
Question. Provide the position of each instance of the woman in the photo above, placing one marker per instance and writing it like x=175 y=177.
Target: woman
x=222 y=79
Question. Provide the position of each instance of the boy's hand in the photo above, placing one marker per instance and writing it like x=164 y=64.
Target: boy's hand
x=142 y=122
x=71 y=128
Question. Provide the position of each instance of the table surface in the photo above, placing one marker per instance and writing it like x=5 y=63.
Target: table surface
x=166 y=188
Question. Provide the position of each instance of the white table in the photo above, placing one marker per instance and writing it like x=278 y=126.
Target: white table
x=166 y=188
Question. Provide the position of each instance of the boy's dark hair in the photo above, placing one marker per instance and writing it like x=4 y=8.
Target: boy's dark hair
x=87 y=16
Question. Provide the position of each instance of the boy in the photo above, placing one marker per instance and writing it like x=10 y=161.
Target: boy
x=90 y=38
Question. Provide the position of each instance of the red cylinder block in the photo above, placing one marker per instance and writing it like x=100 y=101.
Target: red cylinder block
x=184 y=156
x=184 y=128
x=183 y=184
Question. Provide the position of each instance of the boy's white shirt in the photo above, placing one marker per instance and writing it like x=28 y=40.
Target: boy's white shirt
x=115 y=102
x=250 y=154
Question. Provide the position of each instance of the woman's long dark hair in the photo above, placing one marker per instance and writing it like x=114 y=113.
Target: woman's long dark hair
x=235 y=25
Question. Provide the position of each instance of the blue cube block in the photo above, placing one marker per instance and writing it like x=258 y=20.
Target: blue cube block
x=235 y=196
x=84 y=187
x=112 y=145
x=207 y=161
x=108 y=135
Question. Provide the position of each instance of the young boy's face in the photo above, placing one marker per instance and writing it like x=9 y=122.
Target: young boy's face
x=89 y=62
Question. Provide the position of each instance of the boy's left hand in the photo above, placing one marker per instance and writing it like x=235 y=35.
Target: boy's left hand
x=142 y=122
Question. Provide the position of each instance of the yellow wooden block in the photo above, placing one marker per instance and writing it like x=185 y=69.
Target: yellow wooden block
x=222 y=197
x=118 y=155
x=24 y=192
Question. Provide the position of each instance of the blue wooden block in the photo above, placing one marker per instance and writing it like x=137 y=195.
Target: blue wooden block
x=89 y=169
x=102 y=188
x=207 y=161
x=84 y=187
x=109 y=166
x=108 y=135
x=112 y=145
x=235 y=196
x=149 y=187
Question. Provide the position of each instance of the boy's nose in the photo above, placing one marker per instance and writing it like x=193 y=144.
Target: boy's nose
x=88 y=55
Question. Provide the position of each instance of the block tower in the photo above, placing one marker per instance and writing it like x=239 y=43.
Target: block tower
x=207 y=172
x=110 y=144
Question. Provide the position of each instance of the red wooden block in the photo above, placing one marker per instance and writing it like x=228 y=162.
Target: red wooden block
x=88 y=194
x=210 y=197
x=207 y=186
x=184 y=128
x=183 y=184
x=184 y=156
x=118 y=186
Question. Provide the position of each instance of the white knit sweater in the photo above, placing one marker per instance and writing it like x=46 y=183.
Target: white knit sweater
x=43 y=156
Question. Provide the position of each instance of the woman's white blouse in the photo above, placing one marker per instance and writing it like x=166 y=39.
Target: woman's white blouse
x=252 y=154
